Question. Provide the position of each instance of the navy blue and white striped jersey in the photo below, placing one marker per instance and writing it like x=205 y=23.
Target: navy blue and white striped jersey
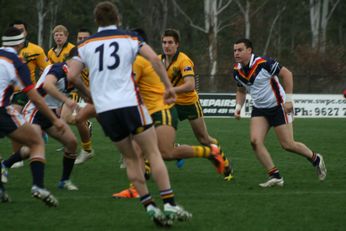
x=260 y=78
x=13 y=74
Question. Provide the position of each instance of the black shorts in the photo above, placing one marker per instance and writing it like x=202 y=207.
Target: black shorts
x=275 y=116
x=42 y=120
x=119 y=123
x=190 y=111
x=10 y=120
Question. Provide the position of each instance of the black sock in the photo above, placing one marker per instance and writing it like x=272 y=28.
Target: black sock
x=15 y=157
x=147 y=200
x=68 y=164
x=167 y=196
x=315 y=160
x=37 y=171
x=274 y=173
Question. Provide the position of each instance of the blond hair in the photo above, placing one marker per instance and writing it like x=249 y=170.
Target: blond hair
x=60 y=28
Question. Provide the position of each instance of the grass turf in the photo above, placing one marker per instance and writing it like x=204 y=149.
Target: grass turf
x=303 y=203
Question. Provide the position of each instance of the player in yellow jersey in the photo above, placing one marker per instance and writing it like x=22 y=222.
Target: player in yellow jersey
x=165 y=120
x=35 y=58
x=61 y=50
x=180 y=70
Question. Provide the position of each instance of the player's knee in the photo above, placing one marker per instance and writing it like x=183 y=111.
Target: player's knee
x=255 y=143
x=288 y=146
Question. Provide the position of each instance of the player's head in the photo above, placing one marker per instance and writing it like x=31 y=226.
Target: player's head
x=141 y=33
x=242 y=51
x=21 y=25
x=13 y=37
x=60 y=34
x=106 y=14
x=82 y=34
x=170 y=40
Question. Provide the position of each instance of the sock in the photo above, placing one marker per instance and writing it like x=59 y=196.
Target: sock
x=201 y=151
x=146 y=200
x=37 y=171
x=87 y=146
x=167 y=196
x=68 y=163
x=315 y=160
x=15 y=157
x=274 y=173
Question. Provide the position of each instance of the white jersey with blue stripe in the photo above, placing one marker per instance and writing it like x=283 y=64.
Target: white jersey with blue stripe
x=13 y=73
x=109 y=55
x=59 y=71
x=261 y=81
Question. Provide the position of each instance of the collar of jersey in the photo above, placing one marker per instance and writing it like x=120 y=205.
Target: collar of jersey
x=10 y=49
x=111 y=27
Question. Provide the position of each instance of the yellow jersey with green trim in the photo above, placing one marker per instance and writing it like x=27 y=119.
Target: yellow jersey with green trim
x=61 y=57
x=34 y=56
x=150 y=86
x=181 y=67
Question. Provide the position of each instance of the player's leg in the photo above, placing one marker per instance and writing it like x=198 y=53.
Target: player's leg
x=82 y=123
x=259 y=128
x=69 y=141
x=285 y=135
x=147 y=140
x=30 y=136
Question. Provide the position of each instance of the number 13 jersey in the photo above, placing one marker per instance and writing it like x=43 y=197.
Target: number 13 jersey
x=109 y=55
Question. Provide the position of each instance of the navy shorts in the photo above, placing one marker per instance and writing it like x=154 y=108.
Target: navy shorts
x=119 y=123
x=275 y=116
x=10 y=120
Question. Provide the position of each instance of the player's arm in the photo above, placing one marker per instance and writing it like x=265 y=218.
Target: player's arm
x=50 y=87
x=287 y=79
x=240 y=100
x=73 y=75
x=148 y=53
x=42 y=60
x=187 y=86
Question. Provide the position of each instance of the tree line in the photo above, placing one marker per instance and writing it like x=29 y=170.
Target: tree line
x=307 y=36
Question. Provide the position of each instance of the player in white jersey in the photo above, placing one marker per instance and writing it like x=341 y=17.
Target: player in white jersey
x=272 y=108
x=53 y=85
x=109 y=55
x=13 y=73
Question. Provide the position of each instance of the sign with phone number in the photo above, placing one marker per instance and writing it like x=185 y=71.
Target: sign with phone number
x=305 y=105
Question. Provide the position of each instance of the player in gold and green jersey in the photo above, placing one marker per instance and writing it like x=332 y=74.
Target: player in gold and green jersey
x=180 y=70
x=36 y=60
x=165 y=121
x=62 y=48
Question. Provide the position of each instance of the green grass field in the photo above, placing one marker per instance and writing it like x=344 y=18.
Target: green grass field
x=303 y=203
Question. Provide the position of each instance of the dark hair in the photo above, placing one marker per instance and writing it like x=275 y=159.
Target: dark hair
x=141 y=33
x=84 y=30
x=17 y=21
x=106 y=14
x=173 y=33
x=11 y=31
x=247 y=42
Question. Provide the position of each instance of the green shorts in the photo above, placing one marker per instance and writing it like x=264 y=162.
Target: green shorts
x=20 y=98
x=190 y=112
x=166 y=117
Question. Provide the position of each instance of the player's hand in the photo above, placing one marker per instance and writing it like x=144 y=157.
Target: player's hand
x=237 y=114
x=288 y=107
x=169 y=96
x=60 y=125
x=71 y=104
